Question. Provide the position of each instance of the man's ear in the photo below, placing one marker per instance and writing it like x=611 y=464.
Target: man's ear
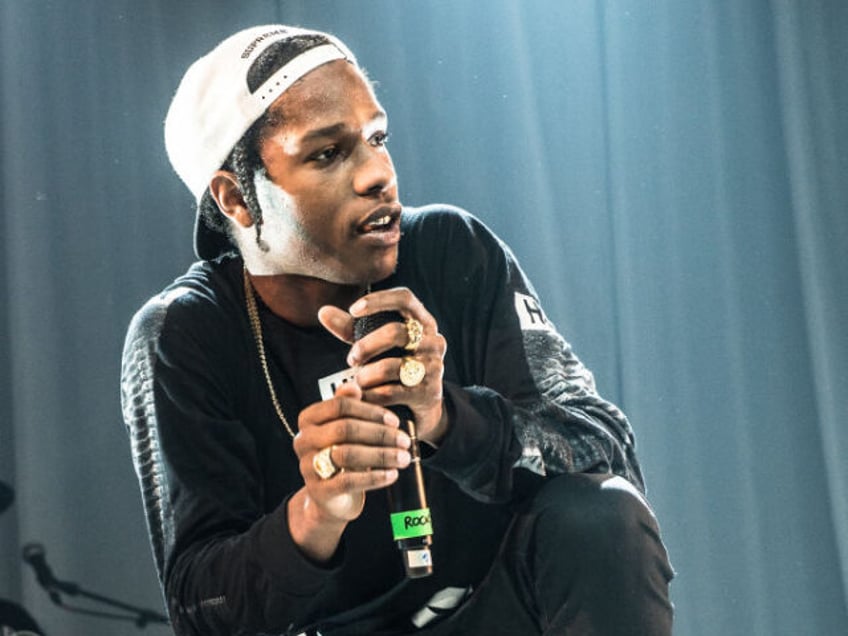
x=225 y=189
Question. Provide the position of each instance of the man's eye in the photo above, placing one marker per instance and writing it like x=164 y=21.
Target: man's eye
x=326 y=155
x=379 y=139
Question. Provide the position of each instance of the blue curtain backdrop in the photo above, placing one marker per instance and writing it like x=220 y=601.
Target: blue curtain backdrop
x=672 y=175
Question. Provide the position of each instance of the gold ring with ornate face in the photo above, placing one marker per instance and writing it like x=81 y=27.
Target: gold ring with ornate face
x=414 y=333
x=411 y=372
x=323 y=464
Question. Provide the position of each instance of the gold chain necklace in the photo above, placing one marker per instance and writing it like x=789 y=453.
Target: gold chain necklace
x=256 y=327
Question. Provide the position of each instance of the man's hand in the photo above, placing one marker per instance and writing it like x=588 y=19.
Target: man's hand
x=367 y=448
x=380 y=380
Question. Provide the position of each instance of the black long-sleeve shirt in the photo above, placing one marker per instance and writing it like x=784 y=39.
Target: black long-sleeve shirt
x=216 y=466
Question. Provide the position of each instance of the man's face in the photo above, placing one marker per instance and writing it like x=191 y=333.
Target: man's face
x=329 y=201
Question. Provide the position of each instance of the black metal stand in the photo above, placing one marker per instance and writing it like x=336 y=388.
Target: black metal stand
x=138 y=615
x=34 y=555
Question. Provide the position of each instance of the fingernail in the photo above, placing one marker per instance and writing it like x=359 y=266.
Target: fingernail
x=352 y=357
x=403 y=459
x=391 y=475
x=403 y=440
x=357 y=307
x=390 y=419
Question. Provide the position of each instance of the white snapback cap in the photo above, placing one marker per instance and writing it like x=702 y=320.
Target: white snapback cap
x=214 y=106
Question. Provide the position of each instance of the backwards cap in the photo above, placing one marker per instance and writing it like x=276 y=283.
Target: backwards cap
x=214 y=106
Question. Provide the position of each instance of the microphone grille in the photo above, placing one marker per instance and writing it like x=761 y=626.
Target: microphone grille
x=366 y=324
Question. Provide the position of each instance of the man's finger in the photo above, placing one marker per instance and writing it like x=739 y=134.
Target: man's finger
x=340 y=408
x=337 y=322
x=361 y=458
x=399 y=299
x=354 y=481
x=350 y=431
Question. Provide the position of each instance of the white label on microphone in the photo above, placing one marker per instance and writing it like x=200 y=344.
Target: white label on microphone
x=418 y=558
x=327 y=386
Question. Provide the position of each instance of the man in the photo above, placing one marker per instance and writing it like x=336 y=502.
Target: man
x=260 y=429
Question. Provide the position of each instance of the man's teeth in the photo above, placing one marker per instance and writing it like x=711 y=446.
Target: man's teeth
x=378 y=223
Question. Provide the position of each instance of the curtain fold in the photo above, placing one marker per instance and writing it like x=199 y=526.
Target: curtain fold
x=670 y=174
x=814 y=99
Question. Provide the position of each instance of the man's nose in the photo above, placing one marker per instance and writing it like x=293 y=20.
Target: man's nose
x=375 y=172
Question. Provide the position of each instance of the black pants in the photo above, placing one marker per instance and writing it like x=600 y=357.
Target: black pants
x=584 y=557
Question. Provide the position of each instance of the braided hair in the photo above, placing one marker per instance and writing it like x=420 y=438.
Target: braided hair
x=244 y=160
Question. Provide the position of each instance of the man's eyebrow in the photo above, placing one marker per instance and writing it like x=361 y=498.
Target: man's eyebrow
x=326 y=131
x=334 y=129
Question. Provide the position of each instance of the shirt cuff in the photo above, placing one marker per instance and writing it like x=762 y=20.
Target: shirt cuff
x=468 y=438
x=285 y=561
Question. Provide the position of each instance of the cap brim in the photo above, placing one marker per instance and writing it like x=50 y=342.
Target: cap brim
x=209 y=243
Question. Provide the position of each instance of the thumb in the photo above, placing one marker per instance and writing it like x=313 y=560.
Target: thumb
x=337 y=321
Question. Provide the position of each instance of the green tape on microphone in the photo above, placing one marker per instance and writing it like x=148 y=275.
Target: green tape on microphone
x=411 y=523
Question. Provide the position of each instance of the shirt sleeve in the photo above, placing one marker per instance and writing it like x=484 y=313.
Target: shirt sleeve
x=525 y=404
x=223 y=560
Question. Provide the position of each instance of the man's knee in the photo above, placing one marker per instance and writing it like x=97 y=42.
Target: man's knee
x=593 y=550
x=597 y=525
x=588 y=508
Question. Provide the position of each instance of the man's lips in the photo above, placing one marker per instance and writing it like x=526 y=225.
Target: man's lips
x=383 y=219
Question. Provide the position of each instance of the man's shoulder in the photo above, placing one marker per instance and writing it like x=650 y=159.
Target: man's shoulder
x=446 y=231
x=200 y=298
x=436 y=215
x=443 y=223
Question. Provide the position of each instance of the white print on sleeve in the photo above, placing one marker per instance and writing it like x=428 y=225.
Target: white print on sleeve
x=530 y=314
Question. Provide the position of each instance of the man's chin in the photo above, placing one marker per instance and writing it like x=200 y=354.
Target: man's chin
x=366 y=278
x=382 y=271
x=365 y=271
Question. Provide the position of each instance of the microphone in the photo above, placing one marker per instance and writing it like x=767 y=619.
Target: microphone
x=412 y=527
x=33 y=554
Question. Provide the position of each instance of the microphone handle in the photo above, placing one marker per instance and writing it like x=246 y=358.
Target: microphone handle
x=412 y=526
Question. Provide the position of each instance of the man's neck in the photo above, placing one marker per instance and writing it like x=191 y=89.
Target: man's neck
x=298 y=298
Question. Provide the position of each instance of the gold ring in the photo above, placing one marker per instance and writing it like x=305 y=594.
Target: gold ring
x=323 y=464
x=414 y=333
x=411 y=372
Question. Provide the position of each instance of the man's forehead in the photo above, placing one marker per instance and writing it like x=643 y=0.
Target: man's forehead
x=329 y=96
